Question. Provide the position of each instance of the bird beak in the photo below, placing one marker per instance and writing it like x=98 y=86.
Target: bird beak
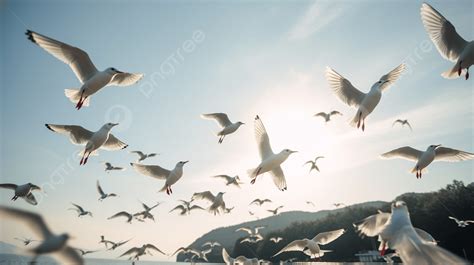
x=115 y=124
x=185 y=161
x=293 y=152
x=118 y=72
x=438 y=145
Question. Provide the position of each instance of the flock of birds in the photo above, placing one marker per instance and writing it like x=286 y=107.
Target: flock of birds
x=394 y=230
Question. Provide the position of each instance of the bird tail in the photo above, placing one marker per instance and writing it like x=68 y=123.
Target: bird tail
x=74 y=95
x=452 y=73
x=164 y=188
x=355 y=120
x=252 y=173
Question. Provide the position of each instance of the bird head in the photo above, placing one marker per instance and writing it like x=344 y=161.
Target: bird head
x=433 y=146
x=288 y=152
x=240 y=123
x=108 y=126
x=379 y=84
x=181 y=163
x=112 y=71
x=399 y=206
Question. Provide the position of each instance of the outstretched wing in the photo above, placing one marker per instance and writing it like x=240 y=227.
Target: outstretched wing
x=8 y=186
x=34 y=221
x=99 y=189
x=278 y=178
x=130 y=252
x=328 y=237
x=297 y=245
x=113 y=143
x=405 y=152
x=151 y=170
x=68 y=255
x=205 y=195
x=263 y=141
x=221 y=118
x=452 y=155
x=343 y=88
x=77 y=134
x=372 y=225
x=154 y=248
x=392 y=76
x=125 y=79
x=121 y=214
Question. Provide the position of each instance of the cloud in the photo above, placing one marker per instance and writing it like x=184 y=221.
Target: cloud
x=319 y=15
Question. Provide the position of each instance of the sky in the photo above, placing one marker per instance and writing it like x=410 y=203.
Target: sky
x=247 y=58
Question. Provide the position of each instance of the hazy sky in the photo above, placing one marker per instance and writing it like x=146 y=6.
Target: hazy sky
x=265 y=58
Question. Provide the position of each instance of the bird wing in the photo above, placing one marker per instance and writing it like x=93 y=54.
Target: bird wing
x=392 y=76
x=76 y=58
x=320 y=114
x=119 y=214
x=32 y=220
x=154 y=248
x=297 y=245
x=113 y=143
x=221 y=118
x=405 y=152
x=130 y=251
x=397 y=121
x=263 y=141
x=179 y=207
x=68 y=255
x=139 y=153
x=344 y=89
x=30 y=198
x=151 y=170
x=258 y=228
x=125 y=79
x=372 y=225
x=227 y=259
x=427 y=237
x=255 y=201
x=278 y=177
x=8 y=186
x=409 y=126
x=327 y=237
x=244 y=229
x=453 y=218
x=196 y=207
x=99 y=189
x=79 y=208
x=227 y=178
x=77 y=134
x=452 y=155
x=443 y=34
x=205 y=195
x=335 y=112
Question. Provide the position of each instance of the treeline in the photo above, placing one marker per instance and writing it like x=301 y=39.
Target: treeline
x=429 y=211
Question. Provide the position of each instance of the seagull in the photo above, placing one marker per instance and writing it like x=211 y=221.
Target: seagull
x=104 y=241
x=92 y=80
x=125 y=214
x=449 y=43
x=22 y=191
x=310 y=247
x=364 y=102
x=140 y=251
x=327 y=116
x=270 y=161
x=230 y=180
x=275 y=211
x=104 y=195
x=158 y=172
x=26 y=241
x=116 y=245
x=211 y=244
x=185 y=250
x=461 y=223
x=403 y=123
x=276 y=239
x=251 y=213
x=260 y=202
x=109 y=167
x=227 y=126
x=310 y=203
x=80 y=211
x=86 y=252
x=51 y=243
x=313 y=164
x=338 y=204
x=142 y=156
x=432 y=153
x=241 y=260
x=92 y=140
x=253 y=234
x=217 y=201
x=186 y=207
x=143 y=215
x=399 y=234
x=201 y=254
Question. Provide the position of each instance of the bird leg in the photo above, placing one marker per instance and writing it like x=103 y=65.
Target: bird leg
x=358 y=122
x=82 y=159
x=363 y=124
x=79 y=103
x=460 y=68
x=384 y=248
x=467 y=73
x=171 y=191
x=87 y=157
x=221 y=139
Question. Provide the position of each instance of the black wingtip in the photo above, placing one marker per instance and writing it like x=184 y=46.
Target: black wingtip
x=49 y=127
x=125 y=147
x=29 y=33
x=131 y=164
x=257 y=117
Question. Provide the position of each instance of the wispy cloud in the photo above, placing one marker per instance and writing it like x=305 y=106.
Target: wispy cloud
x=319 y=15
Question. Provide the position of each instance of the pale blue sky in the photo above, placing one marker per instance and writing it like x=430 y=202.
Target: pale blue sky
x=265 y=58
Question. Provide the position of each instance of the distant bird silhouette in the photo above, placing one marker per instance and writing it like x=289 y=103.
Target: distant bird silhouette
x=102 y=194
x=403 y=123
x=313 y=164
x=461 y=223
x=109 y=167
x=185 y=207
x=260 y=202
x=276 y=239
x=125 y=214
x=327 y=116
x=275 y=211
x=80 y=211
x=230 y=180
x=142 y=156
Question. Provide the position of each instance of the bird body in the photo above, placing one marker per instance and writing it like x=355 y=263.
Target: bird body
x=227 y=126
x=275 y=211
x=22 y=191
x=313 y=164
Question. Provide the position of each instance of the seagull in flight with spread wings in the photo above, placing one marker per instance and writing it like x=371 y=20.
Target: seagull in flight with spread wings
x=22 y=191
x=217 y=201
x=327 y=116
x=403 y=123
x=102 y=194
x=142 y=156
x=154 y=171
x=92 y=80
x=313 y=164
x=227 y=126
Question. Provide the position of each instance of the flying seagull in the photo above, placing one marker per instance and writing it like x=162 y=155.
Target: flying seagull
x=270 y=161
x=327 y=116
x=136 y=252
x=186 y=208
x=92 y=80
x=364 y=102
x=338 y=204
x=51 y=243
x=80 y=211
x=211 y=244
x=310 y=203
x=102 y=194
x=146 y=213
x=116 y=244
x=109 y=167
x=432 y=153
x=275 y=211
x=158 y=172
x=22 y=191
x=260 y=202
x=313 y=164
x=461 y=223
x=230 y=180
x=449 y=43
x=92 y=140
x=227 y=126
x=86 y=252
x=125 y=214
x=142 y=156
x=241 y=260
x=398 y=233
x=403 y=123
x=276 y=239
x=217 y=201
x=228 y=210
x=311 y=247
x=25 y=241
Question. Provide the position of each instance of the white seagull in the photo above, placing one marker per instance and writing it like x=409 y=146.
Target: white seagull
x=276 y=239
x=254 y=235
x=92 y=140
x=270 y=161
x=448 y=42
x=461 y=223
x=313 y=164
x=186 y=208
x=227 y=126
x=327 y=116
x=217 y=201
x=109 y=167
x=403 y=123
x=399 y=234
x=22 y=191
x=51 y=243
x=230 y=180
x=260 y=202
x=146 y=213
x=432 y=153
x=102 y=194
x=240 y=260
x=92 y=80
x=311 y=247
x=364 y=102
x=142 y=156
x=136 y=252
x=171 y=176
x=211 y=244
